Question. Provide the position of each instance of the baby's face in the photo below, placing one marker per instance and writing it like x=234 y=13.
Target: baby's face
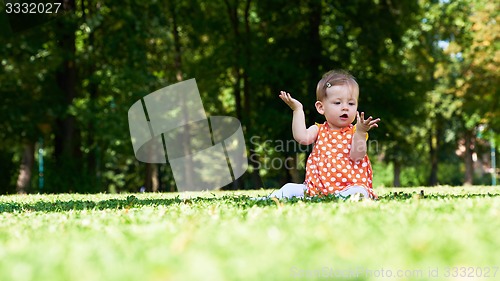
x=340 y=105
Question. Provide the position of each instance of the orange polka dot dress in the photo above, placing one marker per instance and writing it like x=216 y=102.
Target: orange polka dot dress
x=329 y=168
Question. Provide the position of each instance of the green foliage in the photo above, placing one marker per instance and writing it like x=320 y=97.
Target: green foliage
x=414 y=175
x=384 y=173
x=242 y=53
x=227 y=236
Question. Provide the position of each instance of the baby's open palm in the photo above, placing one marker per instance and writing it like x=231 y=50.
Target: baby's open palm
x=292 y=103
x=364 y=125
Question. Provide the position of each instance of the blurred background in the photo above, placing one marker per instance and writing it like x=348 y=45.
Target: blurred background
x=428 y=69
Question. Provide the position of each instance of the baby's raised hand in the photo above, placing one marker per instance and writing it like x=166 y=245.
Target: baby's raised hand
x=363 y=125
x=292 y=103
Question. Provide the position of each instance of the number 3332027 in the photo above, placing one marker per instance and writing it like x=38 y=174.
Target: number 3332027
x=32 y=8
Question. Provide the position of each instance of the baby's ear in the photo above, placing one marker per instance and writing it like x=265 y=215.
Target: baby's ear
x=319 y=107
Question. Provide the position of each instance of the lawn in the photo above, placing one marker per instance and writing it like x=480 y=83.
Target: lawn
x=450 y=233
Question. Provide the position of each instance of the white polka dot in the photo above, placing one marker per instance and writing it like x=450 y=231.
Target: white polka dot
x=340 y=155
x=330 y=188
x=320 y=164
x=348 y=136
x=364 y=165
x=357 y=176
x=344 y=141
x=344 y=170
x=332 y=179
x=337 y=184
x=339 y=175
x=325 y=170
x=339 y=145
x=363 y=180
x=344 y=179
x=346 y=151
x=339 y=137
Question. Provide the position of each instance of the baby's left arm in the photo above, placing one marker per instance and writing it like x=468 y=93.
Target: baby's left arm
x=358 y=144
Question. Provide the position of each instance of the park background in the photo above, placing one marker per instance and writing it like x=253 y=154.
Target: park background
x=428 y=69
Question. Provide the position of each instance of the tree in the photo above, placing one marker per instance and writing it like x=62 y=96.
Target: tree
x=469 y=69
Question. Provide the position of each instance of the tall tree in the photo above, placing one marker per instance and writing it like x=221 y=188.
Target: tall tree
x=67 y=141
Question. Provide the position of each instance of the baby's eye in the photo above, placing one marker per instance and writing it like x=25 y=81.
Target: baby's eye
x=351 y=103
x=337 y=102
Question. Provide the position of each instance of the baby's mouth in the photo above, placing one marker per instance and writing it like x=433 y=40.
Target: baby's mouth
x=344 y=116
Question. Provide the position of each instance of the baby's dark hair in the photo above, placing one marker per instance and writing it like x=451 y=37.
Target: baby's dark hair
x=333 y=78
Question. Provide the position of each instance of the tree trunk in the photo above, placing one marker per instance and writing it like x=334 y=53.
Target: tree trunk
x=92 y=168
x=188 y=162
x=434 y=149
x=247 y=67
x=291 y=166
x=469 y=164
x=233 y=17
x=397 y=173
x=241 y=68
x=26 y=168
x=152 y=179
x=67 y=137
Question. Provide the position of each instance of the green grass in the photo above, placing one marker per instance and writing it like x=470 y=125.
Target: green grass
x=226 y=236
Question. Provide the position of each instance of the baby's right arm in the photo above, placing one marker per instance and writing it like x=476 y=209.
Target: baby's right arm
x=300 y=133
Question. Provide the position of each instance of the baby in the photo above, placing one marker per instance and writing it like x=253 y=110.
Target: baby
x=338 y=164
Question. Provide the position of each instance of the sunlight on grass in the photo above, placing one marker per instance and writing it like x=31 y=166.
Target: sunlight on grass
x=226 y=236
